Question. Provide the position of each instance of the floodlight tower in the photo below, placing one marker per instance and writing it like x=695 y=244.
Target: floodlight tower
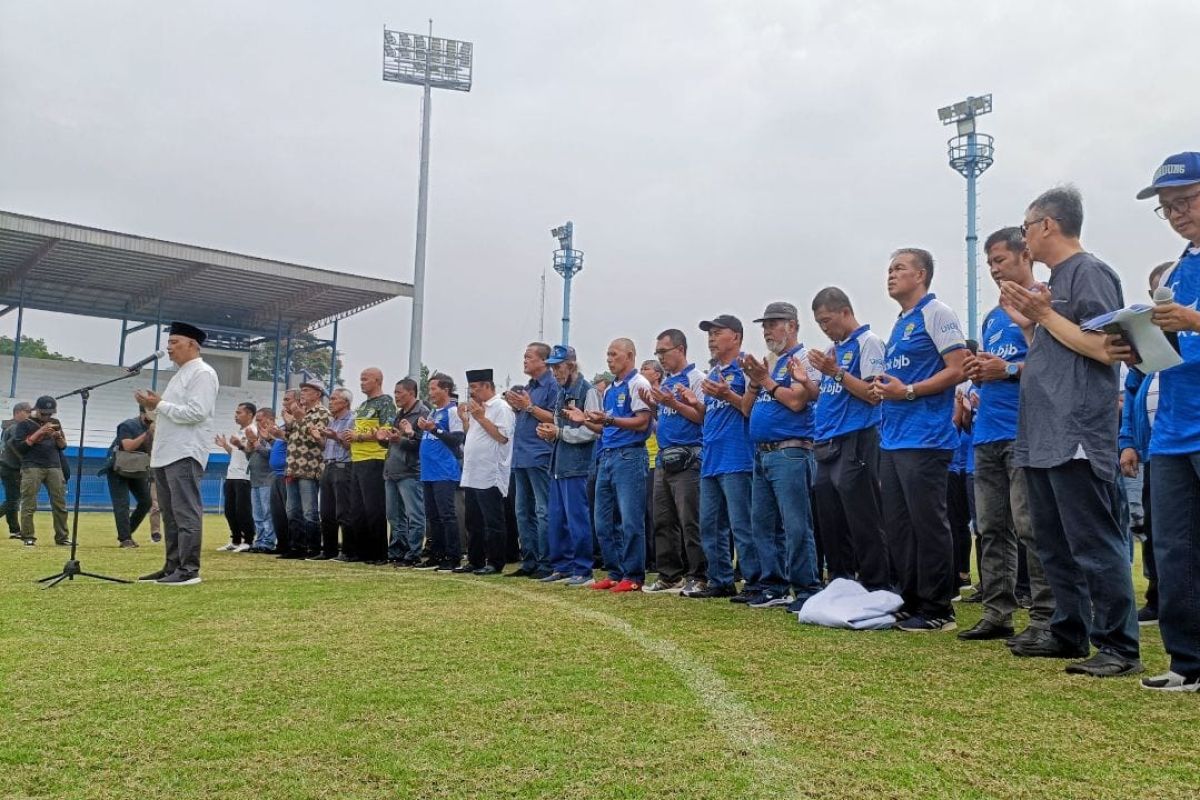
x=434 y=64
x=567 y=262
x=970 y=155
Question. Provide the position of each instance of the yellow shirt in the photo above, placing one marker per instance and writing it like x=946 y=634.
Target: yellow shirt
x=374 y=413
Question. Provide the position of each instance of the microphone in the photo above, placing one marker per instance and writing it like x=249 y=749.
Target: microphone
x=1162 y=296
x=138 y=366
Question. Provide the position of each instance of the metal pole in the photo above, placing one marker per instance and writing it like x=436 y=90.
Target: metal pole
x=972 y=242
x=121 y=352
x=566 y=318
x=275 y=369
x=418 y=300
x=287 y=364
x=12 y=387
x=333 y=365
x=568 y=247
x=157 y=347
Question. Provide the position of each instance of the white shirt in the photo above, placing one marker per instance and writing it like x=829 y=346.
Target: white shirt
x=239 y=463
x=183 y=427
x=486 y=462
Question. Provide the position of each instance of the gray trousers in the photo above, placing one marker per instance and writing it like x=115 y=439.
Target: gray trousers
x=1002 y=513
x=182 y=512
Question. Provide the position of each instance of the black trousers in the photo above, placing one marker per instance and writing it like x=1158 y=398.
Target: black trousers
x=677 y=525
x=336 y=506
x=849 y=511
x=369 y=504
x=913 y=490
x=119 y=489
x=487 y=531
x=285 y=533
x=238 y=511
x=443 y=540
x=12 y=498
x=958 y=512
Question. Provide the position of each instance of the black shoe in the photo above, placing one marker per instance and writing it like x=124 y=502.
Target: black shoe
x=153 y=577
x=1105 y=665
x=519 y=572
x=709 y=592
x=986 y=629
x=320 y=557
x=447 y=566
x=62 y=544
x=1147 y=615
x=342 y=558
x=1024 y=637
x=429 y=563
x=290 y=554
x=378 y=562
x=537 y=576
x=14 y=535
x=746 y=597
x=1047 y=645
x=464 y=569
x=488 y=570
x=179 y=578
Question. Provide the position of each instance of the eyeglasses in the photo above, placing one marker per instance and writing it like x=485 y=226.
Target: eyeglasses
x=1025 y=226
x=661 y=353
x=1180 y=205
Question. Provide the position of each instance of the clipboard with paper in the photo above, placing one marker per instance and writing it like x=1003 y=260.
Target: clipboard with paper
x=1133 y=323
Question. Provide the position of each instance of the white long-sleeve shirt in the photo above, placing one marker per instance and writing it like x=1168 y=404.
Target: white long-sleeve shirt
x=183 y=428
x=486 y=462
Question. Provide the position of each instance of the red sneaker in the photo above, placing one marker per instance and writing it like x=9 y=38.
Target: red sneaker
x=627 y=586
x=603 y=585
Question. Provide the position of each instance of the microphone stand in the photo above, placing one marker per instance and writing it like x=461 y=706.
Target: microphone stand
x=72 y=568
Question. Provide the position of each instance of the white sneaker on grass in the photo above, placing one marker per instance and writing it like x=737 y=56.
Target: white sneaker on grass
x=1171 y=682
x=241 y=548
x=228 y=547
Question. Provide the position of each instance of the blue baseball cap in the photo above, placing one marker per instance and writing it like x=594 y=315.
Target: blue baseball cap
x=1181 y=169
x=560 y=353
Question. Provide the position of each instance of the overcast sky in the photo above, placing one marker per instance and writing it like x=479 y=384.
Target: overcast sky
x=714 y=155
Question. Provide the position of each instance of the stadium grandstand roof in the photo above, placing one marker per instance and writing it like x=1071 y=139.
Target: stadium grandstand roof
x=56 y=266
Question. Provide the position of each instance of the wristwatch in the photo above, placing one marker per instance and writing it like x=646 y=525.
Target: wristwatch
x=841 y=374
x=1013 y=371
x=608 y=420
x=910 y=392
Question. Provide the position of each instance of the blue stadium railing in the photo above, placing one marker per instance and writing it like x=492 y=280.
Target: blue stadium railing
x=93 y=495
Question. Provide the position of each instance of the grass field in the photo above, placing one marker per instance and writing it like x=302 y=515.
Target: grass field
x=277 y=679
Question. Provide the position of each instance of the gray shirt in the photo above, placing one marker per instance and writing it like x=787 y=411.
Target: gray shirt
x=258 y=464
x=1068 y=401
x=403 y=458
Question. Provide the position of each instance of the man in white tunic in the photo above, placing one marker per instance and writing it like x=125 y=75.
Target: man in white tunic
x=180 y=453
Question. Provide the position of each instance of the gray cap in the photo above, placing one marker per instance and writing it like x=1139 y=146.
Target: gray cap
x=779 y=310
x=314 y=383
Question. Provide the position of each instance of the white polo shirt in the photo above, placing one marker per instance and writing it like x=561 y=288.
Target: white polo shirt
x=486 y=462
x=183 y=427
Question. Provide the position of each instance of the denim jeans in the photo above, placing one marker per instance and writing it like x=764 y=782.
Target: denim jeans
x=264 y=528
x=532 y=502
x=782 y=521
x=302 y=505
x=1175 y=497
x=725 y=505
x=405 y=500
x=621 y=486
x=569 y=531
x=445 y=543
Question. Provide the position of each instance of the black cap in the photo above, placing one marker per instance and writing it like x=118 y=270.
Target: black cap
x=779 y=310
x=190 y=331
x=46 y=403
x=722 y=321
x=479 y=376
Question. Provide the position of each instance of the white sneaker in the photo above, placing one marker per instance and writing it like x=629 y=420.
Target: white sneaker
x=241 y=548
x=227 y=548
x=1171 y=682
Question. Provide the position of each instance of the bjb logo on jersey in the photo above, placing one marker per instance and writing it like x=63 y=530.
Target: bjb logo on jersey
x=898 y=362
x=830 y=387
x=1005 y=351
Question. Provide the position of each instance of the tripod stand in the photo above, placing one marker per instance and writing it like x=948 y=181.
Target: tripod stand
x=72 y=568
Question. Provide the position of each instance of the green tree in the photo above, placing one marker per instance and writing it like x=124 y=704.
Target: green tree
x=315 y=360
x=31 y=348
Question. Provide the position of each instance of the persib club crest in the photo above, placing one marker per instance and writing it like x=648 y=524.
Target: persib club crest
x=908 y=330
x=847 y=357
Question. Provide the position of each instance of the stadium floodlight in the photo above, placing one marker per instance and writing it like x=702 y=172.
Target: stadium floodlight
x=424 y=60
x=567 y=262
x=971 y=153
